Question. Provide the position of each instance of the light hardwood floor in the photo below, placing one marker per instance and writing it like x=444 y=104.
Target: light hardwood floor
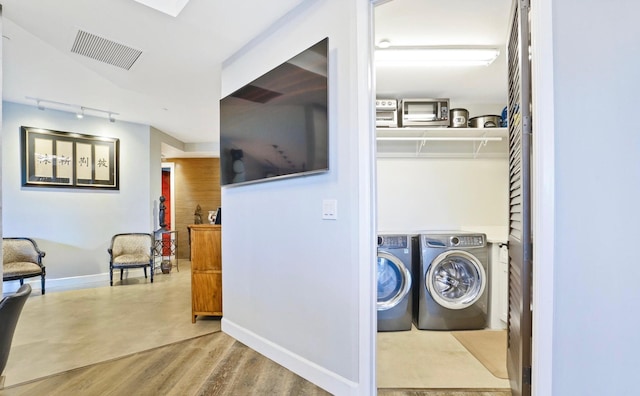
x=136 y=338
x=212 y=364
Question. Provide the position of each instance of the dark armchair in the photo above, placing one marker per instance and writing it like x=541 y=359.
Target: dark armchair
x=21 y=258
x=10 y=309
x=131 y=250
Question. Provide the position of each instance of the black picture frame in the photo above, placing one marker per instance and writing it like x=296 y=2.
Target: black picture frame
x=69 y=160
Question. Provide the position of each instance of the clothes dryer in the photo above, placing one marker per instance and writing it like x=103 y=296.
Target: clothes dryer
x=394 y=280
x=451 y=276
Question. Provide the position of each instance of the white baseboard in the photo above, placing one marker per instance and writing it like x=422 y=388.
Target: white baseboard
x=59 y=284
x=328 y=380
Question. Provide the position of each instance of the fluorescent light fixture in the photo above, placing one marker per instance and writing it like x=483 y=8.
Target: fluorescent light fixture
x=169 y=7
x=436 y=56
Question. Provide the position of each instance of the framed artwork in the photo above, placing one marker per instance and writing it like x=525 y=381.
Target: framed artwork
x=65 y=159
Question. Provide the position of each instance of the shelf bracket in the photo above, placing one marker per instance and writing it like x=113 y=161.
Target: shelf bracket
x=421 y=144
x=481 y=144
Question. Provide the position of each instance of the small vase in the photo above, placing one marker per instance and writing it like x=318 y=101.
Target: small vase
x=165 y=266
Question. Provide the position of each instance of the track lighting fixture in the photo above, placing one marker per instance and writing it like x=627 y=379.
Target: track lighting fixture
x=77 y=109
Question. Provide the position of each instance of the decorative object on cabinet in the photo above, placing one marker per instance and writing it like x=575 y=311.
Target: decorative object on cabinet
x=72 y=160
x=206 y=270
x=131 y=250
x=22 y=259
x=197 y=215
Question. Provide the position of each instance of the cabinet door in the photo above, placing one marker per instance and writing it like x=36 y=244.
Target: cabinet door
x=206 y=293
x=206 y=253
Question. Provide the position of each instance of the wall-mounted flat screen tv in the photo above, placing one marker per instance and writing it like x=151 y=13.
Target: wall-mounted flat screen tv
x=277 y=125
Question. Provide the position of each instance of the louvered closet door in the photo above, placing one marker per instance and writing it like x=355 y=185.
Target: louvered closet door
x=520 y=258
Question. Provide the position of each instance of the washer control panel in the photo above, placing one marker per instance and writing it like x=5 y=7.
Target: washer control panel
x=393 y=241
x=474 y=240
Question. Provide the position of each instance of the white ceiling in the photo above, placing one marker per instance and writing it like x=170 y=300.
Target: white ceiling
x=174 y=85
x=444 y=23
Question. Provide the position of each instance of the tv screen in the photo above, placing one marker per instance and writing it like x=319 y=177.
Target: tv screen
x=277 y=125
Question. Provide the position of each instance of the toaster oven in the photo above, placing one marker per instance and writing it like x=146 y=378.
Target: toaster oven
x=424 y=112
x=387 y=113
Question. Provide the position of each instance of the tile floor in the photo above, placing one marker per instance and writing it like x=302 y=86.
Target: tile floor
x=63 y=330
x=430 y=359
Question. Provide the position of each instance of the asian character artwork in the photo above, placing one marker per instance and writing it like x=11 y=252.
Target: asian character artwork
x=64 y=159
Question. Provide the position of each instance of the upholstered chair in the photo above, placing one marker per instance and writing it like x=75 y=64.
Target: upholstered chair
x=10 y=309
x=21 y=258
x=131 y=250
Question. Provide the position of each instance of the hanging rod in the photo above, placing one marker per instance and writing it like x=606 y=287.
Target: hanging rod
x=441 y=138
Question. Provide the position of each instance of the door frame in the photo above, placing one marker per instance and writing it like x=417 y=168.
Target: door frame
x=543 y=196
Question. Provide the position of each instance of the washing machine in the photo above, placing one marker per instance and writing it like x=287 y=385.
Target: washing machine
x=451 y=281
x=394 y=266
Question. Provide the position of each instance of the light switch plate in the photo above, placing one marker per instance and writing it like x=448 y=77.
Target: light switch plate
x=330 y=209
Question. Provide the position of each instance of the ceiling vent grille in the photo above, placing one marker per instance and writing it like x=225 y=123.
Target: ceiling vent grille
x=103 y=50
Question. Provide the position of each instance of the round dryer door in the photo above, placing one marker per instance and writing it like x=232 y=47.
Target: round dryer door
x=394 y=281
x=456 y=279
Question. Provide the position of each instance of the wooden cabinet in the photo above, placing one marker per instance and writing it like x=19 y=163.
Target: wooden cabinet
x=206 y=270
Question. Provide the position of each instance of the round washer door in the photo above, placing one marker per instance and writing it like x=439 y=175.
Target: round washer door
x=394 y=281
x=455 y=279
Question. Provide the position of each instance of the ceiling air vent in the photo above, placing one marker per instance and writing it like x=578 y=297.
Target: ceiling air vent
x=103 y=50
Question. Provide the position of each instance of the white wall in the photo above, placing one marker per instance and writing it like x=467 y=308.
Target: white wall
x=441 y=194
x=294 y=283
x=597 y=190
x=74 y=226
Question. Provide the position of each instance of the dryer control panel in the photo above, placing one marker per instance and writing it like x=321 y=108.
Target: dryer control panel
x=455 y=240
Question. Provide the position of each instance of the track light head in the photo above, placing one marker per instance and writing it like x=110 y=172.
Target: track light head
x=80 y=114
x=111 y=118
x=40 y=105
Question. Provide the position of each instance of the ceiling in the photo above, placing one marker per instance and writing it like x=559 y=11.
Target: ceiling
x=174 y=84
x=444 y=23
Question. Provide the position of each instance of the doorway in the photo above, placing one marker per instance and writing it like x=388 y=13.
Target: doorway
x=447 y=160
x=168 y=184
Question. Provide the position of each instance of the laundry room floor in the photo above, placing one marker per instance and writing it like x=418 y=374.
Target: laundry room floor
x=426 y=359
